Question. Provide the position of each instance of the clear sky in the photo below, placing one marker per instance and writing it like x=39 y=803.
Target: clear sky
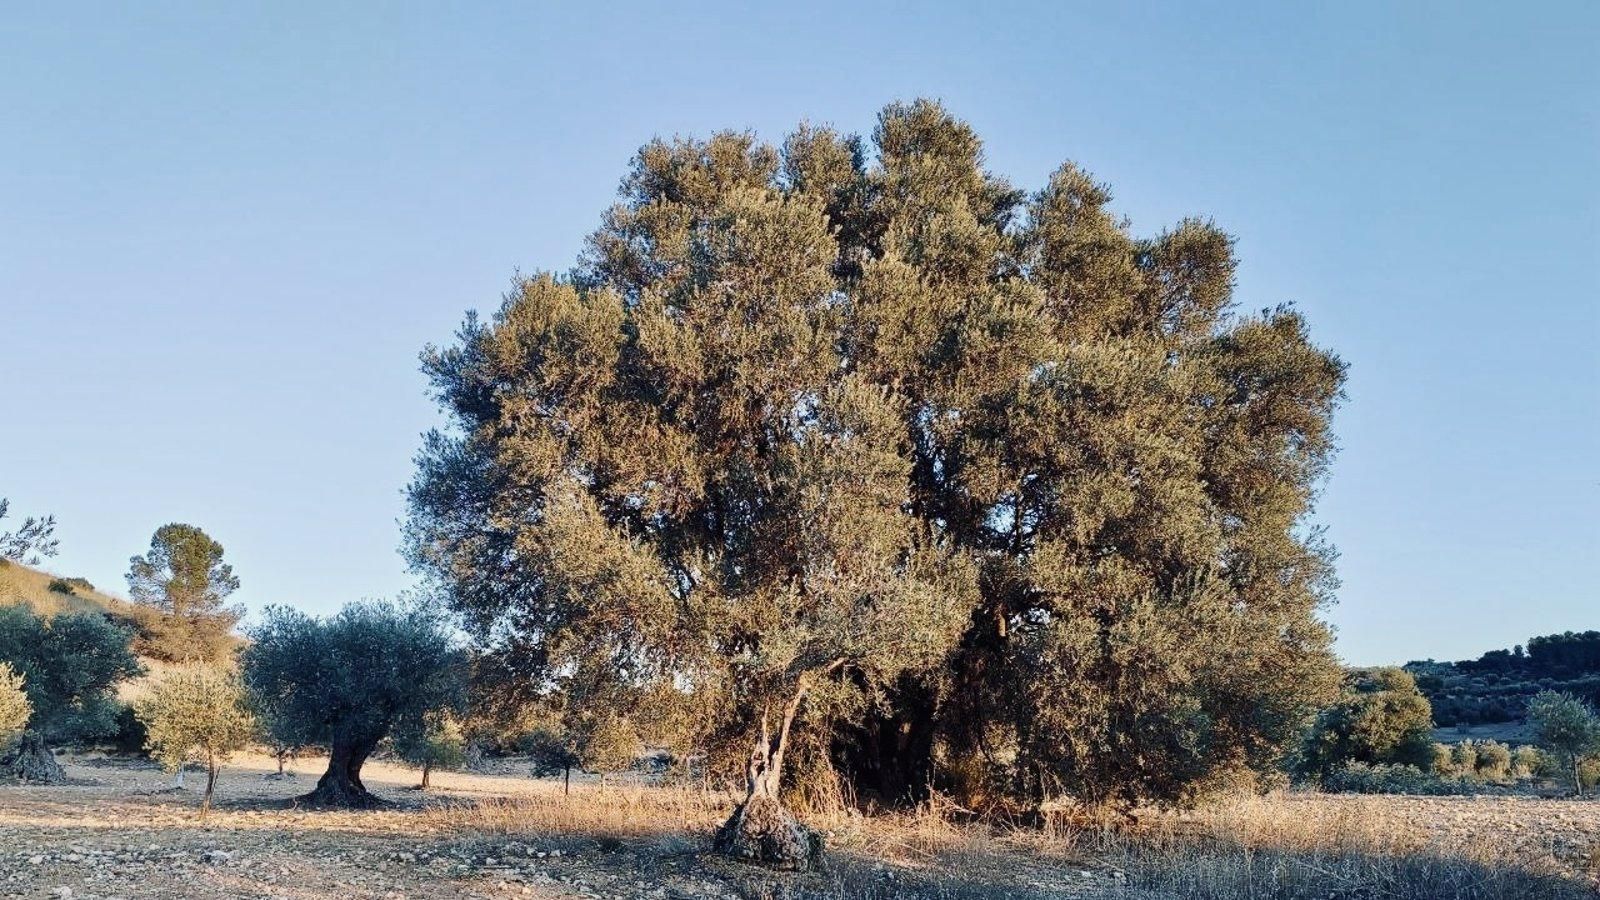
x=226 y=230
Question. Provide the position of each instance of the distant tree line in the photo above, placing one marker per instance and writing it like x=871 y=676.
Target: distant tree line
x=1497 y=686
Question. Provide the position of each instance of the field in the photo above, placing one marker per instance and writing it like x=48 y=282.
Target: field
x=118 y=830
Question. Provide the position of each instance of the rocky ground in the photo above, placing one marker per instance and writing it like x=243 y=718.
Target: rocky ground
x=118 y=830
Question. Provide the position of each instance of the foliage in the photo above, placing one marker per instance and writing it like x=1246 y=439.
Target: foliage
x=69 y=663
x=866 y=440
x=432 y=742
x=1566 y=727
x=606 y=744
x=15 y=710
x=1384 y=778
x=34 y=539
x=61 y=586
x=1497 y=686
x=1381 y=719
x=196 y=713
x=183 y=576
x=348 y=680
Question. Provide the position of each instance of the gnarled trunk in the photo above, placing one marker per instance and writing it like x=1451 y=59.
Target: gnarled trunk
x=31 y=760
x=340 y=786
x=761 y=830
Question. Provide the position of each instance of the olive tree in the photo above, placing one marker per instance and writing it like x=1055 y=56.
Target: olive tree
x=433 y=742
x=69 y=665
x=15 y=710
x=196 y=713
x=878 y=460
x=347 y=681
x=1566 y=727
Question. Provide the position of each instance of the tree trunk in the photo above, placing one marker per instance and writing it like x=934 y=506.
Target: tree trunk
x=761 y=830
x=426 y=771
x=566 y=787
x=1577 y=776
x=211 y=783
x=31 y=760
x=340 y=786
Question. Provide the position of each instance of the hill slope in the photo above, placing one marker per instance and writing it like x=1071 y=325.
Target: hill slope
x=30 y=587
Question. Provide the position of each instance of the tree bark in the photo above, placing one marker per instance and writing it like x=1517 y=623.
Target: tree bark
x=31 y=760
x=211 y=783
x=761 y=830
x=340 y=786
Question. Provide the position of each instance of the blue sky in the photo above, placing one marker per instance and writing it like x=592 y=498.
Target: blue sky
x=226 y=230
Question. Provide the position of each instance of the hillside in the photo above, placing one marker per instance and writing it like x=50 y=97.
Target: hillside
x=1495 y=688
x=27 y=586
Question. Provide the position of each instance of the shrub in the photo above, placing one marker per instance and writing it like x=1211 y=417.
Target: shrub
x=1526 y=761
x=1494 y=761
x=130 y=734
x=1381 y=718
x=1464 y=758
x=1364 y=778
x=1443 y=760
x=61 y=586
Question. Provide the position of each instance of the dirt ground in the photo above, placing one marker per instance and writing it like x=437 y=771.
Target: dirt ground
x=118 y=830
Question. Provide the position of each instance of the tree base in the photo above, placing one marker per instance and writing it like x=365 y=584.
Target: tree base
x=30 y=760
x=332 y=793
x=762 y=831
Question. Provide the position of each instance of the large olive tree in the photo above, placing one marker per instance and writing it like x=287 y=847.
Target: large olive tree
x=70 y=665
x=861 y=449
x=347 y=681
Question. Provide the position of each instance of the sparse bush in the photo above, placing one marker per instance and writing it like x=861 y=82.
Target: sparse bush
x=1464 y=758
x=197 y=713
x=1494 y=761
x=1526 y=761
x=1443 y=760
x=1364 y=778
x=61 y=586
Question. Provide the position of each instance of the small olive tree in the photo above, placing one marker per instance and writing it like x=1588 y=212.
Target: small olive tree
x=1568 y=728
x=197 y=713
x=435 y=742
x=348 y=680
x=15 y=710
x=69 y=665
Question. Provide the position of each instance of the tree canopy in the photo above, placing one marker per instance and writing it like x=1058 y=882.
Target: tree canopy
x=966 y=486
x=183 y=575
x=199 y=714
x=346 y=681
x=69 y=665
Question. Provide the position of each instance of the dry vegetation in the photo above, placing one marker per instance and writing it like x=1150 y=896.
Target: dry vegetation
x=116 y=830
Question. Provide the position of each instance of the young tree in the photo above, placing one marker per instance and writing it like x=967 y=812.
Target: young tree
x=34 y=539
x=15 y=710
x=69 y=665
x=435 y=741
x=197 y=713
x=347 y=681
x=606 y=743
x=552 y=749
x=185 y=578
x=874 y=455
x=1566 y=727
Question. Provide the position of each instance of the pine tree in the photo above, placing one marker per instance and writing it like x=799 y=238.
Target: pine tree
x=184 y=577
